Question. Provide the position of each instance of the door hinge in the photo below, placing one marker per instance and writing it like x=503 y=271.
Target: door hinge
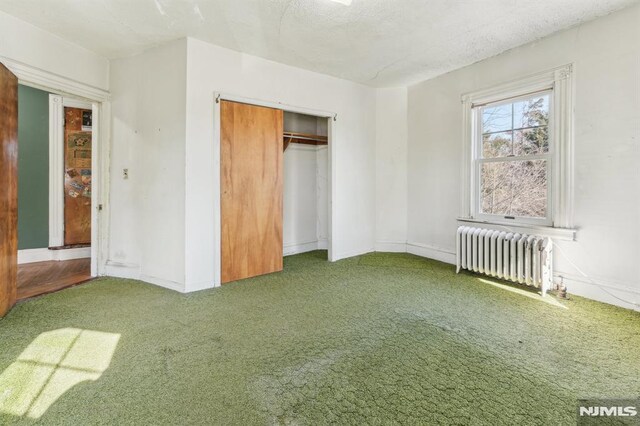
x=99 y=207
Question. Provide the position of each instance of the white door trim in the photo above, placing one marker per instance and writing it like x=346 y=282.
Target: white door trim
x=100 y=101
x=57 y=104
x=75 y=103
x=56 y=171
x=45 y=80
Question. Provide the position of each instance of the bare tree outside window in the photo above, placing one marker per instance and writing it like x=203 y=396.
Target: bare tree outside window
x=513 y=162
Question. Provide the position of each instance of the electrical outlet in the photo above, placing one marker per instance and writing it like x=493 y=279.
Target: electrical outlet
x=125 y=173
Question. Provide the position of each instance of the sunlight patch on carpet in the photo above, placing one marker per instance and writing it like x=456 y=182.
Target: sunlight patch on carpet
x=525 y=292
x=51 y=365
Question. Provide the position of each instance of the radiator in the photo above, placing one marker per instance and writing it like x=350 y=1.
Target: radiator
x=521 y=258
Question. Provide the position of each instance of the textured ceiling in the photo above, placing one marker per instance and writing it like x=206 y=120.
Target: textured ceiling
x=375 y=42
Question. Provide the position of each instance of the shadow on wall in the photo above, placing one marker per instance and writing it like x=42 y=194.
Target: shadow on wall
x=50 y=366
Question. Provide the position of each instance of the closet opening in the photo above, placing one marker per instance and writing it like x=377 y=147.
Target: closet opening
x=276 y=185
x=305 y=195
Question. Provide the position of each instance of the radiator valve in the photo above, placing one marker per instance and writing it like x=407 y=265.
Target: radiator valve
x=562 y=293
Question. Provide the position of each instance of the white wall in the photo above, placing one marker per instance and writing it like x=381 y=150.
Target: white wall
x=300 y=199
x=210 y=69
x=163 y=218
x=300 y=209
x=27 y=44
x=146 y=234
x=391 y=169
x=603 y=262
x=302 y=123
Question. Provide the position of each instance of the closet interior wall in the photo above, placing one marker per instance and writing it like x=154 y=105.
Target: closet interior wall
x=305 y=198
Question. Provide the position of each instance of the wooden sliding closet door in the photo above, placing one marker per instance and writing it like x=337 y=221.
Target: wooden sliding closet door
x=251 y=190
x=8 y=189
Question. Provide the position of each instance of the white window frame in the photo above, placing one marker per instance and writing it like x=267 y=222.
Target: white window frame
x=558 y=82
x=477 y=140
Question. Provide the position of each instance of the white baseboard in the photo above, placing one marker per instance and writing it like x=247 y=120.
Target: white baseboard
x=44 y=254
x=122 y=270
x=623 y=294
x=348 y=254
x=34 y=255
x=432 y=252
x=391 y=246
x=161 y=282
x=132 y=271
x=297 y=248
x=198 y=286
x=614 y=293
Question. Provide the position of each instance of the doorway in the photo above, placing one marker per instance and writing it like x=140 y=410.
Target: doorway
x=54 y=170
x=13 y=74
x=305 y=198
x=78 y=118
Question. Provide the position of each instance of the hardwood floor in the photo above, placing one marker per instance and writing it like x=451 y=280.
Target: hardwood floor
x=39 y=278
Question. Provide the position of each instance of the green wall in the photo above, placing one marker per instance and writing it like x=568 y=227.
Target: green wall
x=33 y=168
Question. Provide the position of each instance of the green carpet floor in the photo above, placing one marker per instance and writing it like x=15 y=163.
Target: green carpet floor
x=376 y=339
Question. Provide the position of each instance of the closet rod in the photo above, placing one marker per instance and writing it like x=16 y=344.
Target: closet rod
x=304 y=136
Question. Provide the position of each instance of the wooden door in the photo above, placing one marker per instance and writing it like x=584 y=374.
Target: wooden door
x=8 y=188
x=77 y=176
x=251 y=190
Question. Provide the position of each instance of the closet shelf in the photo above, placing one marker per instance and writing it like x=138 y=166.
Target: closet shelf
x=303 y=138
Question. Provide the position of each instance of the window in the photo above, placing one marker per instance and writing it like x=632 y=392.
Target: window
x=518 y=152
x=513 y=159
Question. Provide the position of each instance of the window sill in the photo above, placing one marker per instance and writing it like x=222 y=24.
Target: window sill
x=565 y=234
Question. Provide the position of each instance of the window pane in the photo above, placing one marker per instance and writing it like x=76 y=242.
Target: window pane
x=497 y=145
x=531 y=112
x=514 y=188
x=495 y=119
x=531 y=141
